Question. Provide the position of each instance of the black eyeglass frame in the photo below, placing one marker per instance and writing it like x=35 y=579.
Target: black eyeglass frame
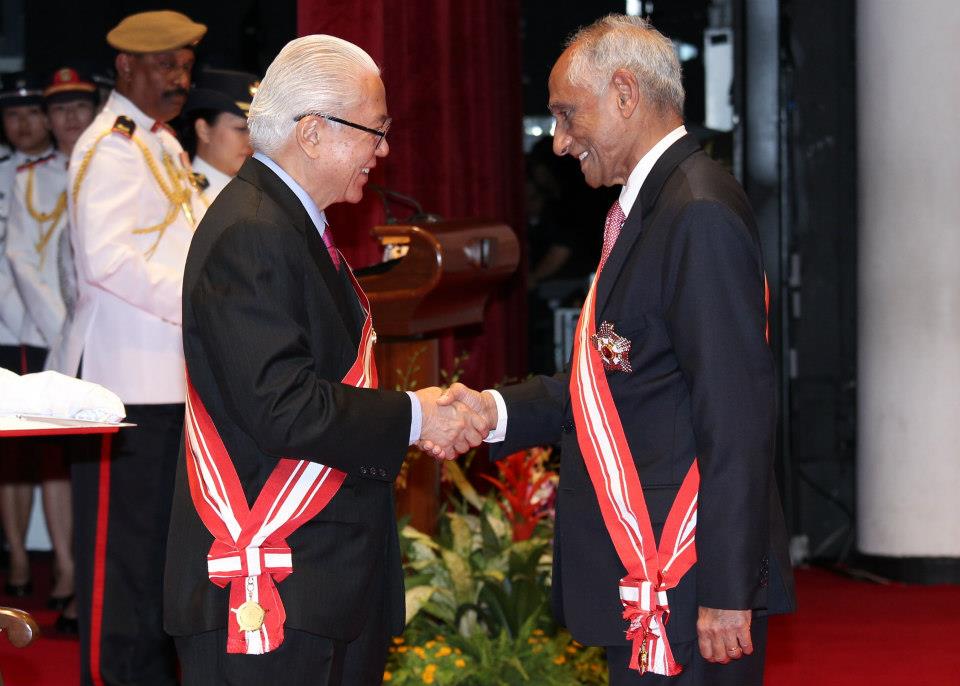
x=380 y=133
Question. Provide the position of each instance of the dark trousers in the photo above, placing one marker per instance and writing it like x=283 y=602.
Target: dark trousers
x=121 y=517
x=304 y=659
x=747 y=671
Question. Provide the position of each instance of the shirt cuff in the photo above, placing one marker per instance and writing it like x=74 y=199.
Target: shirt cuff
x=416 y=417
x=499 y=433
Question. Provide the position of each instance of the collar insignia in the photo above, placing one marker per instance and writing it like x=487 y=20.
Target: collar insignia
x=614 y=349
x=200 y=181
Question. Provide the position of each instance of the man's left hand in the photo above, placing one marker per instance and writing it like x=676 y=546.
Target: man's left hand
x=724 y=635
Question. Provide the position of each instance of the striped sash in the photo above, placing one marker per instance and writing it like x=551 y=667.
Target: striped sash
x=249 y=551
x=613 y=473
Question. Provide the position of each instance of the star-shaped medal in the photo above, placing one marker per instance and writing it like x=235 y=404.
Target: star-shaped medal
x=614 y=349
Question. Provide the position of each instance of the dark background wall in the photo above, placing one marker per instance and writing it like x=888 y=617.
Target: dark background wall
x=242 y=34
x=807 y=208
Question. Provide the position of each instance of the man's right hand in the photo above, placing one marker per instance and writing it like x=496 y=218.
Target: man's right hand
x=449 y=428
x=481 y=403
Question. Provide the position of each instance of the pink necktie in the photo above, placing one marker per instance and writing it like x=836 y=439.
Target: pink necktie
x=611 y=229
x=331 y=248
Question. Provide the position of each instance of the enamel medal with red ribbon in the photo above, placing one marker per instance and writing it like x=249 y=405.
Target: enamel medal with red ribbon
x=249 y=551
x=614 y=349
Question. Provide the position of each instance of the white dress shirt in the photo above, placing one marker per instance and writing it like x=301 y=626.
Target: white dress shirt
x=319 y=219
x=628 y=196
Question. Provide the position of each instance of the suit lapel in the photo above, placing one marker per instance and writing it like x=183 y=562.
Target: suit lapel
x=633 y=227
x=345 y=299
x=341 y=292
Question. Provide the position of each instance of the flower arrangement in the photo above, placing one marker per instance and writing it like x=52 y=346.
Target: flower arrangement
x=478 y=610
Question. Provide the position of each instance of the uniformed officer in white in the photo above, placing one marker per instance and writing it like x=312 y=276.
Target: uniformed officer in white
x=26 y=129
x=38 y=219
x=215 y=132
x=133 y=212
x=38 y=213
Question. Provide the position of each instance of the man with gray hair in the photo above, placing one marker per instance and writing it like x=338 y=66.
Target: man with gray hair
x=667 y=507
x=283 y=561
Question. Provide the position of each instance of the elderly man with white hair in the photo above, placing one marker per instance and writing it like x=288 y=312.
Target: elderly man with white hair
x=283 y=563
x=670 y=544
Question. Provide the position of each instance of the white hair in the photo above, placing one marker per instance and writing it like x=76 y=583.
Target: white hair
x=315 y=73
x=618 y=41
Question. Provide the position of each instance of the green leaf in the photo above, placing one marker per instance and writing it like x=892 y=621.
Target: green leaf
x=460 y=575
x=416 y=598
x=459 y=480
x=462 y=535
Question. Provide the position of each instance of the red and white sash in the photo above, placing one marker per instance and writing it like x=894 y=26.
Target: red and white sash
x=650 y=572
x=250 y=552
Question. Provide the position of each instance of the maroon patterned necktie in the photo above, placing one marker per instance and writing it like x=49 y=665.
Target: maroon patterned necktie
x=611 y=230
x=331 y=248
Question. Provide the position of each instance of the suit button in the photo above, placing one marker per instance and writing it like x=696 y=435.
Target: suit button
x=567 y=427
x=363 y=471
x=383 y=473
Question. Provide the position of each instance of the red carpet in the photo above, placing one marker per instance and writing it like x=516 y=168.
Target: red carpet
x=855 y=633
x=847 y=633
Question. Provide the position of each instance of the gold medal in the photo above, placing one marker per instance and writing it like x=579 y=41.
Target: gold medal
x=250 y=616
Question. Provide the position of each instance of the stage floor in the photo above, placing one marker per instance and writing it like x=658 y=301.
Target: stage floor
x=845 y=633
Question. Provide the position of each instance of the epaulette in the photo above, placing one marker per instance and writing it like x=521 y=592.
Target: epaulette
x=125 y=126
x=201 y=181
x=34 y=163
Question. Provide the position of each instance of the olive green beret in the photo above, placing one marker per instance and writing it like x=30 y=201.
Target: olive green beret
x=155 y=32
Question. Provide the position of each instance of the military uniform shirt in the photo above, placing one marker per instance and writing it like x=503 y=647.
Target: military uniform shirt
x=37 y=219
x=133 y=213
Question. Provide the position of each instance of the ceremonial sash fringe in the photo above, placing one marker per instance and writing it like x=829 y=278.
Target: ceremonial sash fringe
x=250 y=552
x=613 y=473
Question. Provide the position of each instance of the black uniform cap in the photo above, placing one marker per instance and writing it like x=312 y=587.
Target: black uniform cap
x=21 y=88
x=222 y=90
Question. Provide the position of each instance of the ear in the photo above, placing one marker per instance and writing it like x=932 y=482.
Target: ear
x=309 y=132
x=123 y=63
x=202 y=129
x=627 y=91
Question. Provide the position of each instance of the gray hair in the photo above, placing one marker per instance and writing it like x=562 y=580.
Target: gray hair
x=623 y=42
x=315 y=73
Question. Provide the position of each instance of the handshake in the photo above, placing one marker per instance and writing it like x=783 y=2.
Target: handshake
x=454 y=420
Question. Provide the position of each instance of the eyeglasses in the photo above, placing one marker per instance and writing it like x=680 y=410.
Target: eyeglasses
x=380 y=133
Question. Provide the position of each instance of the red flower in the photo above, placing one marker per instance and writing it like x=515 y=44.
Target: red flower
x=521 y=478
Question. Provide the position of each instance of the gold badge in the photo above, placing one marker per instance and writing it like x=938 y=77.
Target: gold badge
x=614 y=349
x=250 y=616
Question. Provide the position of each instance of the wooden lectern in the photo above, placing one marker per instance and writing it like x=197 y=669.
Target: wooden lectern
x=440 y=278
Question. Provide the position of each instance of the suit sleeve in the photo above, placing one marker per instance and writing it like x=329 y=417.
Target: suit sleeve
x=248 y=306
x=103 y=231
x=716 y=317
x=534 y=413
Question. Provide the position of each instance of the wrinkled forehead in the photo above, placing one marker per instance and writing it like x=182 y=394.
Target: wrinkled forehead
x=562 y=92
x=373 y=96
x=559 y=75
x=180 y=57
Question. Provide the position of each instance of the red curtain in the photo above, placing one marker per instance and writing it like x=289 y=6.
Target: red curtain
x=452 y=75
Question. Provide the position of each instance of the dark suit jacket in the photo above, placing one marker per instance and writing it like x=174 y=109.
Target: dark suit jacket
x=684 y=283
x=269 y=330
